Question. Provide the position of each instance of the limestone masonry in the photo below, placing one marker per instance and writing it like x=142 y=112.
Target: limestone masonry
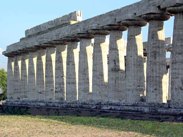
x=69 y=60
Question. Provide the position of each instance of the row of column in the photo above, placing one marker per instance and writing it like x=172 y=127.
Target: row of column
x=45 y=76
x=103 y=72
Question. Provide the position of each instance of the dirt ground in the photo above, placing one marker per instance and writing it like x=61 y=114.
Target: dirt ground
x=16 y=126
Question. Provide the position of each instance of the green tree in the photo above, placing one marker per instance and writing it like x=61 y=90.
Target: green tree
x=3 y=83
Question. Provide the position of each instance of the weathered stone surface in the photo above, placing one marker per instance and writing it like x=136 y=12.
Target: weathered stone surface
x=17 y=78
x=171 y=3
x=10 y=79
x=137 y=112
x=71 y=18
x=72 y=72
x=156 y=63
x=100 y=77
x=32 y=76
x=24 y=77
x=177 y=62
x=85 y=59
x=50 y=74
x=116 y=71
x=60 y=75
x=134 y=66
x=40 y=77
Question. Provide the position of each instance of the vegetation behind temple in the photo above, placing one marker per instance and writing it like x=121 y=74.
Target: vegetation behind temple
x=3 y=84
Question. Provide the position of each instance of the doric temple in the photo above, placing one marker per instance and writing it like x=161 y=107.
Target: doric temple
x=70 y=60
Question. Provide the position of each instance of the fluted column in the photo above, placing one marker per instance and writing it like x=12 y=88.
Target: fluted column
x=134 y=63
x=116 y=69
x=100 y=77
x=72 y=72
x=60 y=73
x=84 y=94
x=177 y=58
x=156 y=60
x=17 y=78
x=169 y=78
x=10 y=79
x=24 y=84
x=40 y=82
x=32 y=76
x=50 y=74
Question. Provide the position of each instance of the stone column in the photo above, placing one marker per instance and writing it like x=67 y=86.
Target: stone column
x=50 y=74
x=32 y=76
x=100 y=82
x=24 y=84
x=135 y=79
x=84 y=94
x=116 y=65
x=40 y=82
x=177 y=58
x=60 y=75
x=10 y=79
x=156 y=59
x=169 y=78
x=17 y=78
x=72 y=72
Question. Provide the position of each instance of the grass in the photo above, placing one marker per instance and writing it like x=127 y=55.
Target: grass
x=54 y=125
x=159 y=129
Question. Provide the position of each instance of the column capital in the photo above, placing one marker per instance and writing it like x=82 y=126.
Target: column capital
x=115 y=27
x=99 y=38
x=156 y=17
x=175 y=10
x=58 y=47
x=134 y=22
x=98 y=32
x=70 y=39
x=86 y=41
x=85 y=36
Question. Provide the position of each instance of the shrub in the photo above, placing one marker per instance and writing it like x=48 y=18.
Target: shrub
x=3 y=83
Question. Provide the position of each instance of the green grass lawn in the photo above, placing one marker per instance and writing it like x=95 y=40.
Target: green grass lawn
x=110 y=126
x=159 y=129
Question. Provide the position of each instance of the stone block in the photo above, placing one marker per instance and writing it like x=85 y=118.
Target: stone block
x=71 y=18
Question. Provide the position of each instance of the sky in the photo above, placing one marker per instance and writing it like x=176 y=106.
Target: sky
x=18 y=15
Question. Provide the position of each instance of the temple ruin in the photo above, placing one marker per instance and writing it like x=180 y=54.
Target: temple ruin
x=68 y=60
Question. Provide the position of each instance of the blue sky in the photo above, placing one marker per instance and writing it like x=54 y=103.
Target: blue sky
x=18 y=15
